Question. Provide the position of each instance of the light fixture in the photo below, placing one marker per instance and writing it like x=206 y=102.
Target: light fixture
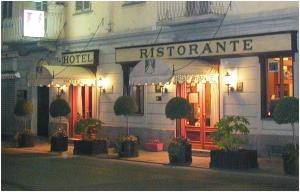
x=60 y=90
x=227 y=81
x=102 y=84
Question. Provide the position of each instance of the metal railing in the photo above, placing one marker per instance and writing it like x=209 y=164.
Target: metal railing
x=171 y=10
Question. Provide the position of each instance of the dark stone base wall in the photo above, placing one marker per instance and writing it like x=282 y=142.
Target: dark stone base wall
x=144 y=135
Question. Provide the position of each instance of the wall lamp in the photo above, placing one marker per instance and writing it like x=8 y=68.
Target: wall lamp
x=231 y=82
x=60 y=90
x=160 y=88
x=102 y=84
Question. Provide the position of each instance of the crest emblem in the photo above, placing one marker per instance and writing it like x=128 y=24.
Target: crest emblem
x=149 y=66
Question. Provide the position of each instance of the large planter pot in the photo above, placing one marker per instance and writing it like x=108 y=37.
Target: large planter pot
x=290 y=163
x=184 y=157
x=241 y=159
x=25 y=140
x=93 y=147
x=59 y=144
x=129 y=149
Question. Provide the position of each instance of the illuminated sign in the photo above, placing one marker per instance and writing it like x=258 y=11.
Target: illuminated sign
x=34 y=23
x=81 y=58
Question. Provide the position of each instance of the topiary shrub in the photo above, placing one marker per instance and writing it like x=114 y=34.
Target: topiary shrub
x=178 y=108
x=287 y=111
x=23 y=108
x=59 y=108
x=125 y=105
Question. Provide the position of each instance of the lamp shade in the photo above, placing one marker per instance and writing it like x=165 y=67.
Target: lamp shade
x=226 y=79
x=193 y=97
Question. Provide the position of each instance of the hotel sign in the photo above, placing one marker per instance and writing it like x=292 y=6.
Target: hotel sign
x=216 y=47
x=81 y=58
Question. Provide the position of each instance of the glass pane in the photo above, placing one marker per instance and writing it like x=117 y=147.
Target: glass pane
x=273 y=84
x=288 y=76
x=86 y=5
x=193 y=99
x=79 y=5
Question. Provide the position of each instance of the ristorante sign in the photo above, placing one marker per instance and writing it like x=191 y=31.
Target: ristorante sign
x=217 y=47
x=81 y=58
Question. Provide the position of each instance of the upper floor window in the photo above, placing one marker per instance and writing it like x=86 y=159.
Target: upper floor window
x=132 y=2
x=277 y=81
x=136 y=91
x=82 y=6
x=41 y=6
x=6 y=9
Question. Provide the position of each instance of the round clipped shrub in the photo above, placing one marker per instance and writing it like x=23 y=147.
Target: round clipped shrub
x=23 y=108
x=178 y=108
x=59 y=107
x=286 y=110
x=125 y=105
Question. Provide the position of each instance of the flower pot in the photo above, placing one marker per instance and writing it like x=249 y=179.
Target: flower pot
x=241 y=159
x=129 y=149
x=184 y=156
x=156 y=147
x=59 y=143
x=25 y=140
x=93 y=147
x=291 y=163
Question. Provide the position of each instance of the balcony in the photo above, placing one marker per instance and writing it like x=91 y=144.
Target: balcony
x=189 y=12
x=12 y=32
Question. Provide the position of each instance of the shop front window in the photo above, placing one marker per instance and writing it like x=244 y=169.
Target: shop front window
x=278 y=82
x=136 y=91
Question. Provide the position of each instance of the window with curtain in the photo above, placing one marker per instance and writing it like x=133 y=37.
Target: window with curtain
x=6 y=9
x=136 y=91
x=277 y=82
x=82 y=6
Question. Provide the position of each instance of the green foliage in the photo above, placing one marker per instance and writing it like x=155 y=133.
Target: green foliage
x=178 y=108
x=59 y=107
x=23 y=108
x=121 y=139
x=125 y=105
x=86 y=126
x=177 y=147
x=286 y=110
x=225 y=136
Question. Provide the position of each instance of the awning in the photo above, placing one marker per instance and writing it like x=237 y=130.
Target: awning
x=153 y=71
x=47 y=75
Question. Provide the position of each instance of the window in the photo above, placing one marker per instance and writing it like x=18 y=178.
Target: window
x=41 y=6
x=136 y=92
x=132 y=2
x=6 y=9
x=82 y=6
x=277 y=83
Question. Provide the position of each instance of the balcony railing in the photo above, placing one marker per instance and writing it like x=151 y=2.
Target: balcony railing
x=174 y=10
x=11 y=28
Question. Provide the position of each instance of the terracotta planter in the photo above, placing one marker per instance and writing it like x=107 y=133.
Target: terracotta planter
x=93 y=147
x=59 y=144
x=242 y=159
x=183 y=158
x=25 y=140
x=129 y=149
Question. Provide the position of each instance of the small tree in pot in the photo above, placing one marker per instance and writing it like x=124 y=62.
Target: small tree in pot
x=126 y=146
x=287 y=111
x=179 y=150
x=89 y=145
x=59 y=108
x=230 y=155
x=24 y=109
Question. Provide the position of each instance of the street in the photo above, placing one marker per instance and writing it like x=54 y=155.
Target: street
x=51 y=171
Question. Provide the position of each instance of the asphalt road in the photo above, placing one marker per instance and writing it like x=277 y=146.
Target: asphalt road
x=48 y=171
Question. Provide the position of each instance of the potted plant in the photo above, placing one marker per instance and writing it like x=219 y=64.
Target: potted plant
x=59 y=140
x=24 y=109
x=127 y=146
x=230 y=156
x=89 y=145
x=287 y=111
x=179 y=150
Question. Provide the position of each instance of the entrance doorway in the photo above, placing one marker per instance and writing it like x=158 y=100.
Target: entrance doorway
x=81 y=106
x=204 y=100
x=42 y=111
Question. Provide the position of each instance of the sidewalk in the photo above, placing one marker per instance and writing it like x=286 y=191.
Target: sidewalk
x=266 y=166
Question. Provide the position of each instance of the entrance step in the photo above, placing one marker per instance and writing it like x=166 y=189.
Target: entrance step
x=201 y=152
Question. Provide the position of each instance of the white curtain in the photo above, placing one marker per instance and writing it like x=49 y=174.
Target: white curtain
x=214 y=117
